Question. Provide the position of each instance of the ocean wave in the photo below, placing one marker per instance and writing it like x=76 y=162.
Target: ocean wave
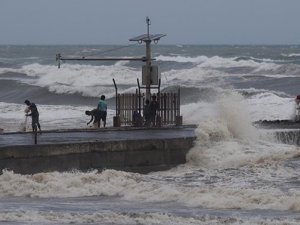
x=253 y=92
x=290 y=55
x=269 y=105
x=256 y=65
x=217 y=194
x=260 y=59
x=203 y=58
x=137 y=217
x=182 y=59
x=41 y=95
x=92 y=81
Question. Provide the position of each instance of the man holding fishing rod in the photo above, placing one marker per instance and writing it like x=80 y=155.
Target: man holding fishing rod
x=34 y=113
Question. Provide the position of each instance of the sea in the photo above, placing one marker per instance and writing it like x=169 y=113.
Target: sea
x=236 y=174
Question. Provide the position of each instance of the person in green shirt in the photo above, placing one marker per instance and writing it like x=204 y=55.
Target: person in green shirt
x=102 y=107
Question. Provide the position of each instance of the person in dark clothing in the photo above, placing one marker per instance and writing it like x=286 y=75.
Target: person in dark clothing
x=146 y=113
x=34 y=113
x=153 y=109
x=95 y=115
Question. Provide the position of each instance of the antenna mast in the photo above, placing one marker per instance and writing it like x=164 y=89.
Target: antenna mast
x=148 y=25
x=148 y=38
x=149 y=74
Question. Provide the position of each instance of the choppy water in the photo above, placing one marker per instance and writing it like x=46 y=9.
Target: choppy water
x=236 y=173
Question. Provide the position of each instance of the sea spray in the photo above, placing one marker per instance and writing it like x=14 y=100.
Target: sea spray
x=234 y=111
x=228 y=139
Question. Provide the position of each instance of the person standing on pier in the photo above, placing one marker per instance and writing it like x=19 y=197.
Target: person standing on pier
x=153 y=109
x=147 y=113
x=102 y=107
x=34 y=113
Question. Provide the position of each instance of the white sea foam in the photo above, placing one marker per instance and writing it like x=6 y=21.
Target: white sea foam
x=212 y=67
x=182 y=59
x=225 y=194
x=217 y=148
x=278 y=76
x=147 y=218
x=95 y=80
x=267 y=60
x=291 y=55
x=229 y=109
x=270 y=106
x=217 y=62
x=226 y=134
x=85 y=79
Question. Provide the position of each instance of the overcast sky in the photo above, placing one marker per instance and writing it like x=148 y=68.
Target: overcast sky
x=184 y=21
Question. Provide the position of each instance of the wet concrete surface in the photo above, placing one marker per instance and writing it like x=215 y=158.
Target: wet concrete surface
x=100 y=135
x=277 y=124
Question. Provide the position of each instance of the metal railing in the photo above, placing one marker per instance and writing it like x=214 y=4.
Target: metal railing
x=129 y=108
x=169 y=107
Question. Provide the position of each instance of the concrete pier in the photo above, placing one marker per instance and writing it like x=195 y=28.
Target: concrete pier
x=130 y=149
x=278 y=124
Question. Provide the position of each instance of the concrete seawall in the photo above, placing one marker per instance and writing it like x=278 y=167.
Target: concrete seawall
x=137 y=150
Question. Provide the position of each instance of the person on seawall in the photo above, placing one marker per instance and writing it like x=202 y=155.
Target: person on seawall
x=102 y=107
x=153 y=109
x=34 y=113
x=297 y=100
x=95 y=115
x=146 y=113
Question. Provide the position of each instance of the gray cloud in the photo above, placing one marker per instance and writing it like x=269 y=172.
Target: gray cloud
x=115 y=21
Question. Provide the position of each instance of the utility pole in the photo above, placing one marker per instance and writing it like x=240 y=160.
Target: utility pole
x=148 y=61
